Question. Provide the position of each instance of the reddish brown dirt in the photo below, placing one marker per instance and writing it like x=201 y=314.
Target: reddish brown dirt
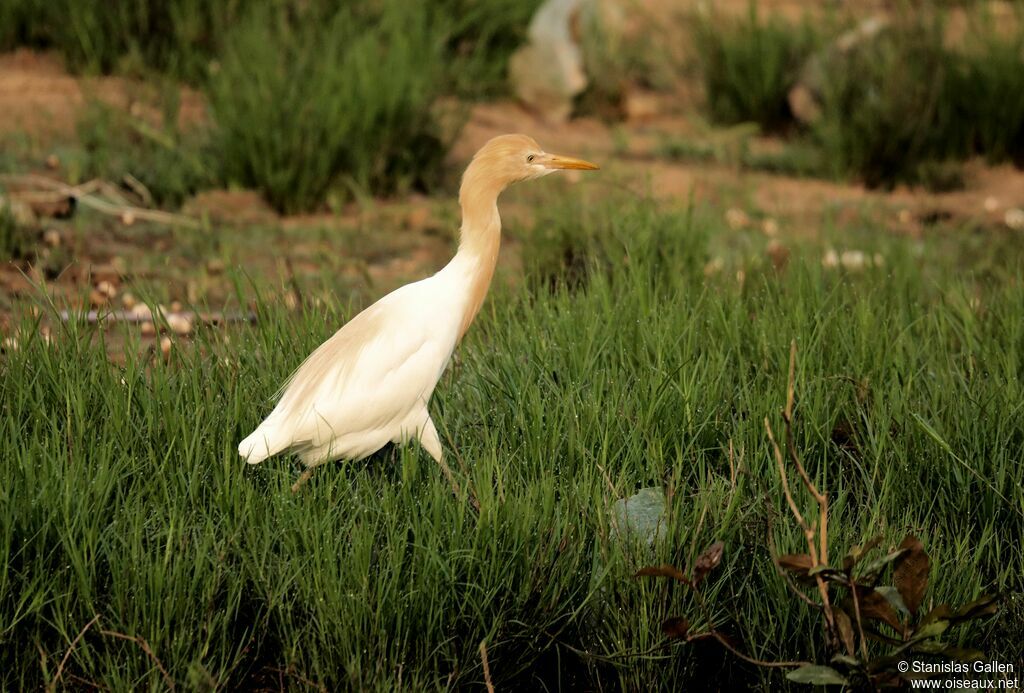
x=39 y=98
x=387 y=242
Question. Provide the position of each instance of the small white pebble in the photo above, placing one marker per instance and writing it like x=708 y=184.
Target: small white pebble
x=176 y=306
x=1014 y=218
x=853 y=259
x=142 y=311
x=128 y=300
x=991 y=204
x=148 y=329
x=107 y=289
x=770 y=227
x=51 y=237
x=165 y=346
x=127 y=217
x=736 y=219
x=179 y=324
x=831 y=259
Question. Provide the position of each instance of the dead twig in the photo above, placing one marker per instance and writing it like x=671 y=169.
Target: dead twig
x=129 y=316
x=139 y=188
x=487 y=667
x=303 y=478
x=122 y=211
x=141 y=642
x=817 y=538
x=67 y=655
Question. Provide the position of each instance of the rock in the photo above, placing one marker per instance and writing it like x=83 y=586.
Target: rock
x=165 y=346
x=547 y=73
x=147 y=329
x=806 y=95
x=641 y=516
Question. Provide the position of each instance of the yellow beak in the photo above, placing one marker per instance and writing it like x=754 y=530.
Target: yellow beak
x=556 y=161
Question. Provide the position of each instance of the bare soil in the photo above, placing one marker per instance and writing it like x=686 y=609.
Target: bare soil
x=379 y=244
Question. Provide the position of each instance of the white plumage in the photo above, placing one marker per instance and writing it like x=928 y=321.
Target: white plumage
x=371 y=382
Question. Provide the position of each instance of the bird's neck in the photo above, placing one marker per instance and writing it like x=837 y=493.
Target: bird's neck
x=479 y=241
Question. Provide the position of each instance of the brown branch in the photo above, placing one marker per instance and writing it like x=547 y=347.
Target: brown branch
x=856 y=613
x=819 y=497
x=129 y=316
x=141 y=642
x=100 y=205
x=818 y=551
x=790 y=583
x=487 y=667
x=746 y=658
x=67 y=655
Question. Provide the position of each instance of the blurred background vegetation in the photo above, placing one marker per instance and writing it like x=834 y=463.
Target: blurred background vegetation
x=845 y=174
x=312 y=98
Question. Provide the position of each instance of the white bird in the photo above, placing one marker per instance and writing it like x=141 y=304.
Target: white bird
x=371 y=382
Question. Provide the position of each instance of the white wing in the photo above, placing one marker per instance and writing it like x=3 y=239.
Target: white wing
x=366 y=384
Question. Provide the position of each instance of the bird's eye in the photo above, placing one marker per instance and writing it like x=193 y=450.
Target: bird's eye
x=530 y=159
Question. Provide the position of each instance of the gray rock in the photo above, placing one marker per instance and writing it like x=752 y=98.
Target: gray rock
x=642 y=516
x=547 y=73
x=806 y=95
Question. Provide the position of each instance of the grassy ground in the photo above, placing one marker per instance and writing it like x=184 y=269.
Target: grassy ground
x=641 y=346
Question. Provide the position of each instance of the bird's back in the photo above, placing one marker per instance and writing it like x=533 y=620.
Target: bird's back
x=355 y=392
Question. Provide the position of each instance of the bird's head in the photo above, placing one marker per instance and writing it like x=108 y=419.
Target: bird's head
x=508 y=159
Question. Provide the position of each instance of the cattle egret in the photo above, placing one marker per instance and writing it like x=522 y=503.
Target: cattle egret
x=371 y=382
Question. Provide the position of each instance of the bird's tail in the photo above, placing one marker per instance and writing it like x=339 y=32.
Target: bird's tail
x=262 y=443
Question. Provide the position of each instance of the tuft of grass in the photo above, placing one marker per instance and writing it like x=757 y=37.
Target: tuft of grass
x=749 y=65
x=907 y=108
x=481 y=36
x=302 y=108
x=178 y=37
x=16 y=241
x=114 y=145
x=124 y=497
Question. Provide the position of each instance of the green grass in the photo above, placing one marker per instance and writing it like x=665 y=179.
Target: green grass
x=177 y=37
x=123 y=495
x=749 y=65
x=343 y=105
x=903 y=107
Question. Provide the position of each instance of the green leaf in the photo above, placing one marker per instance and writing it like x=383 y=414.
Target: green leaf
x=847 y=660
x=963 y=654
x=817 y=675
x=892 y=595
x=857 y=553
x=983 y=606
x=873 y=569
x=942 y=611
x=931 y=630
